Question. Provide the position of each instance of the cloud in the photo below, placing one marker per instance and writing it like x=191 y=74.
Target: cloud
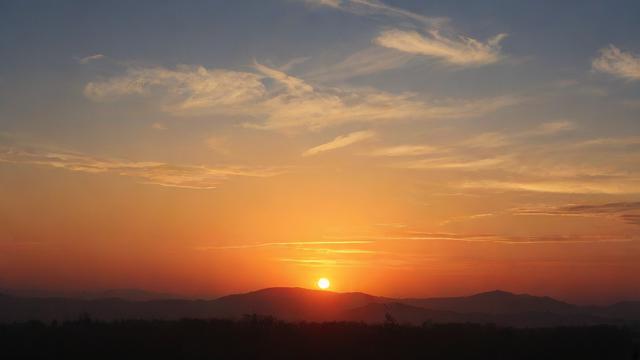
x=373 y=8
x=219 y=144
x=364 y=62
x=497 y=238
x=550 y=128
x=88 y=59
x=453 y=163
x=565 y=186
x=286 y=103
x=404 y=150
x=290 y=243
x=628 y=212
x=488 y=140
x=452 y=49
x=188 y=89
x=499 y=139
x=295 y=86
x=340 y=142
x=156 y=173
x=459 y=50
x=610 y=142
x=330 y=3
x=158 y=126
x=618 y=63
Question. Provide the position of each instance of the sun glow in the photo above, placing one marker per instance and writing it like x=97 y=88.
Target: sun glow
x=323 y=283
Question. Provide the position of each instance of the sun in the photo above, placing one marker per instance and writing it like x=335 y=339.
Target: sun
x=323 y=283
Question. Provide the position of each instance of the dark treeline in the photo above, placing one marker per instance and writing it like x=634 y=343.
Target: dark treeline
x=266 y=338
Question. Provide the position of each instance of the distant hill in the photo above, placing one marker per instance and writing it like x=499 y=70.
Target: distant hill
x=495 y=302
x=297 y=304
x=124 y=294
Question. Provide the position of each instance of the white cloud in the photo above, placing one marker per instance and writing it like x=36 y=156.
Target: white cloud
x=459 y=50
x=618 y=63
x=340 y=142
x=88 y=59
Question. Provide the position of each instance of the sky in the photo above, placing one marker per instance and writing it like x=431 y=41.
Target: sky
x=399 y=148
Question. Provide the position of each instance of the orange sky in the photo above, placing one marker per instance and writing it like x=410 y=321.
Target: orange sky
x=403 y=149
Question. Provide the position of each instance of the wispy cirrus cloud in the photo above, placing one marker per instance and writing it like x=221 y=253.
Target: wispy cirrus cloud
x=627 y=212
x=146 y=172
x=501 y=139
x=90 y=58
x=286 y=243
x=375 y=8
x=459 y=50
x=621 y=64
x=496 y=238
x=364 y=62
x=454 y=163
x=288 y=103
x=426 y=36
x=186 y=89
x=561 y=185
x=340 y=142
x=404 y=150
x=159 y=126
x=488 y=140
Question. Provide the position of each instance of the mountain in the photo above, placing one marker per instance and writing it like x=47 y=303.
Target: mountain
x=130 y=294
x=124 y=294
x=297 y=304
x=495 y=302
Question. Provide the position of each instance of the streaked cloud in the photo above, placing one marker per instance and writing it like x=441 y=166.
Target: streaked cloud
x=610 y=142
x=498 y=238
x=289 y=103
x=156 y=173
x=90 y=58
x=627 y=212
x=374 y=8
x=459 y=50
x=501 y=139
x=453 y=163
x=364 y=62
x=340 y=142
x=158 y=126
x=446 y=46
x=566 y=186
x=404 y=150
x=618 y=63
x=290 y=243
x=488 y=140
x=186 y=89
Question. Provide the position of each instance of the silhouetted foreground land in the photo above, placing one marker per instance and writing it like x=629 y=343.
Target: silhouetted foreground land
x=265 y=338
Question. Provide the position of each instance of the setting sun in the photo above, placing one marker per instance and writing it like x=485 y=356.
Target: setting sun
x=324 y=283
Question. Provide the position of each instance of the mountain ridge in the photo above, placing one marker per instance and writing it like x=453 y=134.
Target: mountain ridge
x=301 y=304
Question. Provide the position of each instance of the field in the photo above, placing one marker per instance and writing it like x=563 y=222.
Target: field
x=267 y=338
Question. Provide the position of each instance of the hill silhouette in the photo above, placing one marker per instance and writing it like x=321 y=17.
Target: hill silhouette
x=298 y=304
x=495 y=302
